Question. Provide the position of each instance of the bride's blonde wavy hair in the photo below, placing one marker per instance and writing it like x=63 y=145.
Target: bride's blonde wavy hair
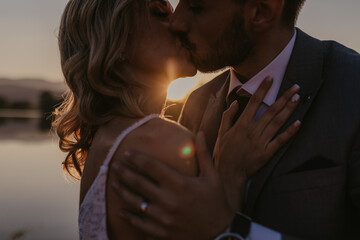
x=93 y=37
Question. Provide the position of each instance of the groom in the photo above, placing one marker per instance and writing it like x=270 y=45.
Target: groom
x=311 y=187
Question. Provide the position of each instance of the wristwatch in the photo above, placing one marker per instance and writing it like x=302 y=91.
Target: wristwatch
x=239 y=229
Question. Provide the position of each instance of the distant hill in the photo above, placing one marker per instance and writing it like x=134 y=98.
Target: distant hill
x=29 y=89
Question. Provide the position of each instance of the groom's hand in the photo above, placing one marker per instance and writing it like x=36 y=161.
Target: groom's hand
x=179 y=207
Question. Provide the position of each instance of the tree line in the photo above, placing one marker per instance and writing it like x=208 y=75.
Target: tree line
x=46 y=104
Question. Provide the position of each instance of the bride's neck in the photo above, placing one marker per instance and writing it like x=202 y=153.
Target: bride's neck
x=155 y=94
x=154 y=101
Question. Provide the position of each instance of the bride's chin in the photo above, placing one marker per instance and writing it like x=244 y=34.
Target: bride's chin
x=186 y=69
x=189 y=72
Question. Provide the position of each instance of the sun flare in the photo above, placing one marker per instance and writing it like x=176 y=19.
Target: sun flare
x=180 y=87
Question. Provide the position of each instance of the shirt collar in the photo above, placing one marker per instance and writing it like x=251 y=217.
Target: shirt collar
x=276 y=69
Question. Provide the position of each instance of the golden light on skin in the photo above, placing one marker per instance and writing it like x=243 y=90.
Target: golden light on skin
x=170 y=69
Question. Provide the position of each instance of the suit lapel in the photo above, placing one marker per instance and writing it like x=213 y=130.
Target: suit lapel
x=211 y=120
x=304 y=69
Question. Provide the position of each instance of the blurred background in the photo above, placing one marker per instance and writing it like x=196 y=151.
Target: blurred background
x=36 y=200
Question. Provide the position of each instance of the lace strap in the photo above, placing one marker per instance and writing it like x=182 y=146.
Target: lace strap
x=124 y=134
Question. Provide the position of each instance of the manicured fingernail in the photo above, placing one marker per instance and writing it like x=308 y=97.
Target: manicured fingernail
x=233 y=103
x=295 y=98
x=297 y=123
x=296 y=87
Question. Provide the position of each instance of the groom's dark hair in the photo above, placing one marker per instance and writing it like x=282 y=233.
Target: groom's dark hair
x=291 y=11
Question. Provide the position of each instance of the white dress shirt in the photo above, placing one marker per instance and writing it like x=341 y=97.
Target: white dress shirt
x=276 y=69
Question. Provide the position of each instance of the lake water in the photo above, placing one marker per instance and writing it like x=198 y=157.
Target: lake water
x=36 y=200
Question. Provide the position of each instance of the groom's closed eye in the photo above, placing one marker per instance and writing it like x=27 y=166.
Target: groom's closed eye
x=196 y=6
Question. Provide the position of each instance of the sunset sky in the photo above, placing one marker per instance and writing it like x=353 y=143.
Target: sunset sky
x=28 y=44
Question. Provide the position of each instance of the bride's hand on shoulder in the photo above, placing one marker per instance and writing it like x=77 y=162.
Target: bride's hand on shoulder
x=245 y=147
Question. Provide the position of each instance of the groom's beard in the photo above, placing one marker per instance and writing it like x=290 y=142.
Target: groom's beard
x=230 y=50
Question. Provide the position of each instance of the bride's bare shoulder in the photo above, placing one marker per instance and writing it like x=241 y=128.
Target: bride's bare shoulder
x=167 y=141
x=162 y=140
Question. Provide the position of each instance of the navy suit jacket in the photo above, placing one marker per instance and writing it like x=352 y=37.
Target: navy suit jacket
x=311 y=188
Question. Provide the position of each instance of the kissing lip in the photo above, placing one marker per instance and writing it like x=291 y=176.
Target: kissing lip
x=187 y=48
x=191 y=47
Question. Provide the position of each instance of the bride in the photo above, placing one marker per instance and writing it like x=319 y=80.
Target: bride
x=118 y=58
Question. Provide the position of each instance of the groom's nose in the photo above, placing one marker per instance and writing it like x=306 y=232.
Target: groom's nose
x=178 y=23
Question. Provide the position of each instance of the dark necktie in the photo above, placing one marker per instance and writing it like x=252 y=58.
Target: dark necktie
x=242 y=98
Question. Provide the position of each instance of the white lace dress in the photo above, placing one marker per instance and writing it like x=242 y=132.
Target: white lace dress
x=92 y=213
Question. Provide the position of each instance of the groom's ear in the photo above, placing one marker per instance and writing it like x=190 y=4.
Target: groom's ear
x=264 y=14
